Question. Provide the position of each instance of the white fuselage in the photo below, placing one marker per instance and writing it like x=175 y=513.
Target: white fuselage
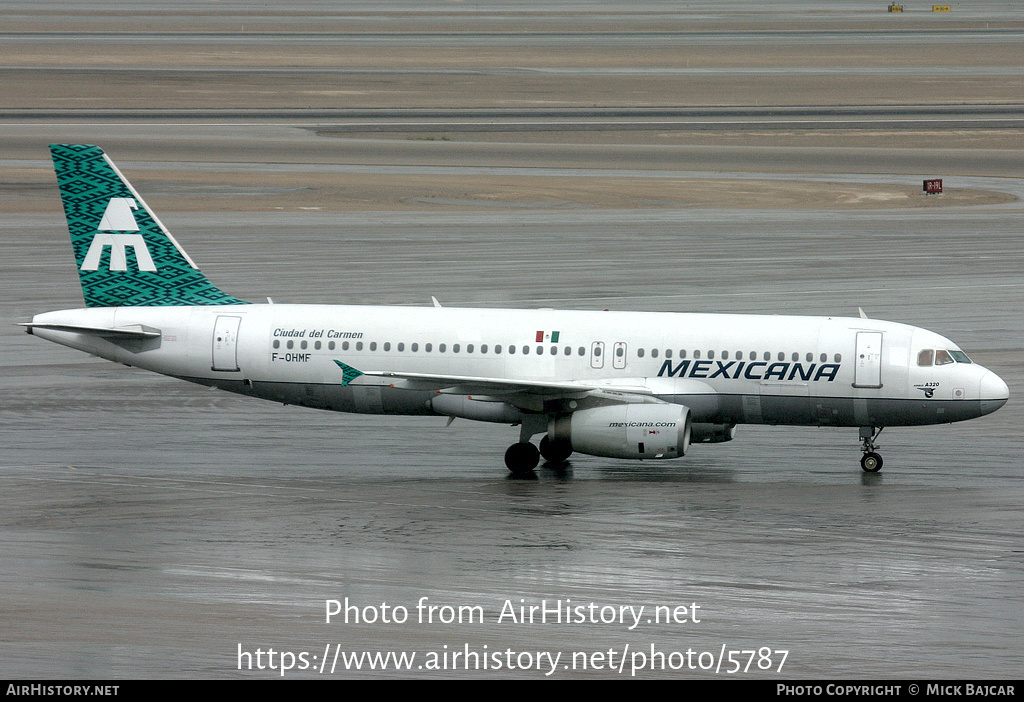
x=728 y=369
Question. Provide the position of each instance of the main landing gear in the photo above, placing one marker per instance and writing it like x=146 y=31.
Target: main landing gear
x=555 y=451
x=871 y=461
x=524 y=456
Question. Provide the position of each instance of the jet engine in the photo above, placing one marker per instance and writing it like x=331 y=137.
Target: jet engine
x=626 y=431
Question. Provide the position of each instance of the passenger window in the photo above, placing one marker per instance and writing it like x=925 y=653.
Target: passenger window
x=654 y=353
x=926 y=357
x=401 y=346
x=639 y=353
x=469 y=348
x=455 y=348
x=942 y=357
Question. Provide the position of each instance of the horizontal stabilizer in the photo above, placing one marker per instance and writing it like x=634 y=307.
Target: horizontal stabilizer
x=132 y=331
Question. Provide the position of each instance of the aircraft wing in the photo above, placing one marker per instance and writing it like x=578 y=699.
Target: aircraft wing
x=470 y=385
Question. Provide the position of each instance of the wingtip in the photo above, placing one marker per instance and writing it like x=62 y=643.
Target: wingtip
x=348 y=373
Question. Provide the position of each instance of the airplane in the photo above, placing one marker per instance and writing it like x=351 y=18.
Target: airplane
x=627 y=385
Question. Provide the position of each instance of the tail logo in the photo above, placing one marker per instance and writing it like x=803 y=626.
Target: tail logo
x=118 y=218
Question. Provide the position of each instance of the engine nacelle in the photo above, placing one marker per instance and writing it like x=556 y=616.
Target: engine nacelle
x=626 y=431
x=711 y=433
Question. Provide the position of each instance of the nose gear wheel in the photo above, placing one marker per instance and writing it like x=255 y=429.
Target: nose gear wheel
x=871 y=461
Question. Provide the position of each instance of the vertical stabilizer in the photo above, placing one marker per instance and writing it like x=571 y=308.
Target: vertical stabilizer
x=125 y=255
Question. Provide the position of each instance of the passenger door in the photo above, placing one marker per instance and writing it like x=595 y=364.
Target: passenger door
x=225 y=343
x=867 y=369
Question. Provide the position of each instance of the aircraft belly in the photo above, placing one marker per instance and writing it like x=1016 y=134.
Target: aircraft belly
x=843 y=411
x=786 y=402
x=890 y=412
x=918 y=412
x=375 y=399
x=786 y=409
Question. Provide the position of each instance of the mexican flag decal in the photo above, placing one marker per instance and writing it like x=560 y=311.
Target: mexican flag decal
x=547 y=336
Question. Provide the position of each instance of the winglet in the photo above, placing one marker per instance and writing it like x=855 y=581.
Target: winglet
x=862 y=315
x=436 y=303
x=348 y=373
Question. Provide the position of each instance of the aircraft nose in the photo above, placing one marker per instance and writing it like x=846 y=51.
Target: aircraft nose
x=993 y=392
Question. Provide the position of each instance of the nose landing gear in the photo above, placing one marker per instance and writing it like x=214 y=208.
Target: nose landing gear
x=871 y=461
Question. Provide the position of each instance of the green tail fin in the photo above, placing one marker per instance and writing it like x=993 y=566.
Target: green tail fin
x=125 y=255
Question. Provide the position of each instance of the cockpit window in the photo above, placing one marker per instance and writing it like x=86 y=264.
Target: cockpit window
x=959 y=356
x=941 y=357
